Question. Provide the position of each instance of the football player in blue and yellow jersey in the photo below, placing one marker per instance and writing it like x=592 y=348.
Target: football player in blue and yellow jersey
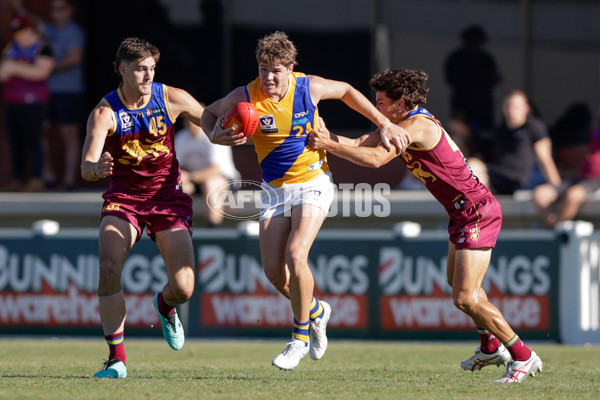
x=297 y=184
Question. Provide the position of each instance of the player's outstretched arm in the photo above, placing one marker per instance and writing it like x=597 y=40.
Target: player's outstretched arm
x=392 y=136
x=211 y=119
x=184 y=104
x=368 y=153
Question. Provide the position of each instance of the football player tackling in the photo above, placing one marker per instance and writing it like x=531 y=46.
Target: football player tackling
x=475 y=215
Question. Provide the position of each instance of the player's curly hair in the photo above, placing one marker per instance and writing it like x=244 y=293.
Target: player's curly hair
x=407 y=84
x=132 y=49
x=276 y=49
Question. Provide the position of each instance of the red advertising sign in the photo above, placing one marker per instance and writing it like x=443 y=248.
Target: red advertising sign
x=236 y=292
x=416 y=295
x=57 y=286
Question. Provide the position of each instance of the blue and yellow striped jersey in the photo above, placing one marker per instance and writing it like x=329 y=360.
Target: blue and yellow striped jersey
x=281 y=142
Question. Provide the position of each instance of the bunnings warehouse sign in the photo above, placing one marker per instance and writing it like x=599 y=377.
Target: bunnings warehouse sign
x=49 y=283
x=234 y=292
x=415 y=295
x=379 y=286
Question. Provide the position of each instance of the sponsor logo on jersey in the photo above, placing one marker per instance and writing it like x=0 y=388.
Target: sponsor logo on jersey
x=300 y=118
x=153 y=111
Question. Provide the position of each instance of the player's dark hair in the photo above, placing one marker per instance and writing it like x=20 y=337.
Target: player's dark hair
x=133 y=49
x=407 y=84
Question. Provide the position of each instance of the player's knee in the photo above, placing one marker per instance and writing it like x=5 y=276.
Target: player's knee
x=109 y=271
x=181 y=294
x=296 y=258
x=464 y=302
x=182 y=289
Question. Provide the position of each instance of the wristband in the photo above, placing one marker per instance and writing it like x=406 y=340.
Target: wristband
x=385 y=127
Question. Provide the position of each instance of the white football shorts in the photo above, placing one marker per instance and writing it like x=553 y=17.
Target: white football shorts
x=280 y=200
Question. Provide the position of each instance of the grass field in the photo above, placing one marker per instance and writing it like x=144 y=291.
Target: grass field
x=219 y=369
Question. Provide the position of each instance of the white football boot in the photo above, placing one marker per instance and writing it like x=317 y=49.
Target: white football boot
x=318 y=333
x=500 y=357
x=291 y=355
x=517 y=371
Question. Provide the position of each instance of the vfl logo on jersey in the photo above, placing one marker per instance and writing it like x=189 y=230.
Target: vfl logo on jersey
x=126 y=121
x=267 y=124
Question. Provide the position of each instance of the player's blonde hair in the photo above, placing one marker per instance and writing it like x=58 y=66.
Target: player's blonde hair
x=276 y=49
x=132 y=49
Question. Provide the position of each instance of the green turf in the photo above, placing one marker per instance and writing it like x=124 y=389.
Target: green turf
x=209 y=369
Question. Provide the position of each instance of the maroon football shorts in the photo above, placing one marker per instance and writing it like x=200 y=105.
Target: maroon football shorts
x=476 y=226
x=156 y=214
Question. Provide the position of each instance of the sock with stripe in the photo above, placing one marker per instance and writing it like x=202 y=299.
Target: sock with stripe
x=489 y=342
x=116 y=346
x=163 y=307
x=300 y=331
x=316 y=309
x=517 y=349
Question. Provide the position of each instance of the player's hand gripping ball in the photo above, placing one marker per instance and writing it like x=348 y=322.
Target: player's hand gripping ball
x=243 y=117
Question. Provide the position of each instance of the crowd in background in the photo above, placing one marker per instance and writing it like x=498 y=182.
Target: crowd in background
x=42 y=79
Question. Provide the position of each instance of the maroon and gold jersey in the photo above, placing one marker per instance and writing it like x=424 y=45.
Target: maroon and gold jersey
x=443 y=170
x=142 y=146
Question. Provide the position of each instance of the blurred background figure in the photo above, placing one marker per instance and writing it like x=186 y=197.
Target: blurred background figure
x=25 y=66
x=67 y=41
x=570 y=136
x=472 y=73
x=518 y=143
x=206 y=168
x=562 y=203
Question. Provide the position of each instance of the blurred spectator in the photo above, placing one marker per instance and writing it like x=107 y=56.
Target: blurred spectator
x=67 y=41
x=206 y=168
x=25 y=66
x=570 y=137
x=562 y=203
x=461 y=134
x=520 y=141
x=472 y=73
